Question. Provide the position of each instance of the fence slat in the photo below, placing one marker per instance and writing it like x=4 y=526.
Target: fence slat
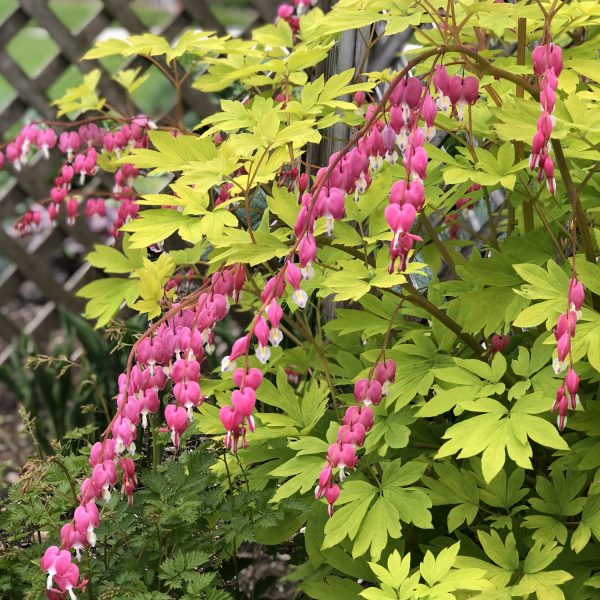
x=121 y=12
x=71 y=45
x=200 y=11
x=37 y=272
x=24 y=86
x=12 y=113
x=12 y=24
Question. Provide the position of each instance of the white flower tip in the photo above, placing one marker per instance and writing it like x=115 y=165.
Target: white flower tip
x=300 y=297
x=308 y=272
x=275 y=336
x=263 y=353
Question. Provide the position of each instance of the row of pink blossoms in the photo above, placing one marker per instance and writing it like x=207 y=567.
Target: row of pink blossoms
x=81 y=149
x=547 y=66
x=564 y=332
x=357 y=422
x=173 y=353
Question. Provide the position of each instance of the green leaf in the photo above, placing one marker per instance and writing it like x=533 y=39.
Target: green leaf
x=83 y=97
x=347 y=520
x=106 y=297
x=506 y=157
x=153 y=226
x=540 y=557
x=304 y=470
x=333 y=588
x=504 y=554
x=283 y=204
x=112 y=261
x=382 y=521
x=434 y=569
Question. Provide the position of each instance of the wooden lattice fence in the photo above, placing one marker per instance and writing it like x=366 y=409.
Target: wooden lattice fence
x=35 y=274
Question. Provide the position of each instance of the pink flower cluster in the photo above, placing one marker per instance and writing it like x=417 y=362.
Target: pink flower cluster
x=291 y=13
x=174 y=352
x=409 y=101
x=31 y=137
x=357 y=422
x=547 y=66
x=62 y=572
x=80 y=532
x=566 y=395
x=81 y=148
x=454 y=92
x=237 y=417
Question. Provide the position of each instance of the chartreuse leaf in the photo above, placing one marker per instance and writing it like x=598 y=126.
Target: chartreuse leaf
x=433 y=569
x=156 y=225
x=283 y=204
x=548 y=286
x=589 y=525
x=485 y=282
x=504 y=491
x=504 y=554
x=439 y=575
x=382 y=521
x=83 y=97
x=347 y=520
x=396 y=572
x=313 y=404
x=153 y=226
x=558 y=498
x=454 y=486
x=112 y=47
x=107 y=296
x=499 y=431
x=152 y=279
x=110 y=260
x=390 y=431
x=370 y=516
x=172 y=153
x=301 y=472
x=235 y=246
x=347 y=283
x=303 y=412
x=130 y=79
x=352 y=321
x=335 y=557
x=536 y=579
x=412 y=503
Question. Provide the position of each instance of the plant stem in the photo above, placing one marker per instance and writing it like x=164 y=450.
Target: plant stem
x=154 y=444
x=61 y=465
x=528 y=223
x=90 y=594
x=442 y=249
x=579 y=214
x=415 y=297
x=234 y=552
x=319 y=349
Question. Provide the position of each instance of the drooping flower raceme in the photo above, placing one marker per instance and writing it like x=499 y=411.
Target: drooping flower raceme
x=547 y=66
x=357 y=422
x=564 y=332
